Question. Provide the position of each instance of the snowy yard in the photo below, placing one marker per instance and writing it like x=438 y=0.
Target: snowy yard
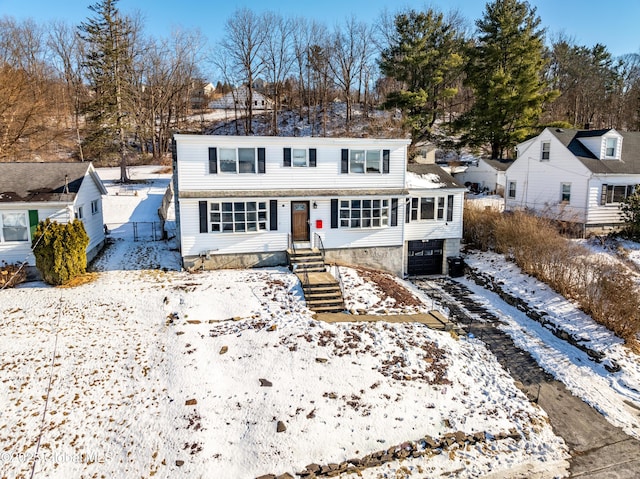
x=162 y=373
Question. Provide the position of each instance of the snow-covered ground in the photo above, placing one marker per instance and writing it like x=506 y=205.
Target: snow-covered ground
x=158 y=372
x=615 y=395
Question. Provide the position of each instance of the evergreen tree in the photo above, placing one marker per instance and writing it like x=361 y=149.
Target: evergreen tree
x=505 y=72
x=109 y=62
x=60 y=250
x=630 y=212
x=426 y=56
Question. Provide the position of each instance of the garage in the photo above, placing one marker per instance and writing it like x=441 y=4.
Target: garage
x=425 y=257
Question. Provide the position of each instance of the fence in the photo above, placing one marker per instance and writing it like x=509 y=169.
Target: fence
x=138 y=230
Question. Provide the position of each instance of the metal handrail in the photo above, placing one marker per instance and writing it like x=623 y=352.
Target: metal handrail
x=338 y=277
x=318 y=241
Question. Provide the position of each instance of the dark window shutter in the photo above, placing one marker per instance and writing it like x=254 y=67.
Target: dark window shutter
x=273 y=215
x=312 y=157
x=204 y=223
x=385 y=161
x=213 y=161
x=334 y=213
x=603 y=195
x=286 y=159
x=261 y=161
x=344 y=166
x=394 y=212
x=450 y=208
x=33 y=222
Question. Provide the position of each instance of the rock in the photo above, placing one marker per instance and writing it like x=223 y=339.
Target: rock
x=281 y=427
x=431 y=442
x=313 y=467
x=236 y=318
x=321 y=360
x=267 y=476
x=286 y=475
x=179 y=463
x=460 y=437
x=479 y=436
x=265 y=383
x=272 y=327
x=190 y=402
x=224 y=349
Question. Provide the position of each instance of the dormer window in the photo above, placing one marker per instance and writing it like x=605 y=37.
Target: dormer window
x=612 y=144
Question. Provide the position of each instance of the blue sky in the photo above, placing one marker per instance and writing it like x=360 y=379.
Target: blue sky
x=615 y=23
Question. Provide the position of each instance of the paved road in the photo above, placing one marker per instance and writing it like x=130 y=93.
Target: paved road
x=598 y=449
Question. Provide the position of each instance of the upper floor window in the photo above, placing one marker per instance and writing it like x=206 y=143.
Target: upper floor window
x=511 y=190
x=565 y=192
x=365 y=161
x=612 y=144
x=236 y=160
x=546 y=149
x=14 y=226
x=299 y=157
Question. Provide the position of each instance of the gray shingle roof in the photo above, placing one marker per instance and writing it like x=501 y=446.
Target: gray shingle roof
x=628 y=164
x=446 y=179
x=40 y=182
x=500 y=165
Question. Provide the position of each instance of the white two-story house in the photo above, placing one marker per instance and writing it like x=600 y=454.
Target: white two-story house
x=243 y=201
x=576 y=176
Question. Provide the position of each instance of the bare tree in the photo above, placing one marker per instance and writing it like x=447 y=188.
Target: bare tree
x=277 y=58
x=67 y=56
x=349 y=49
x=245 y=35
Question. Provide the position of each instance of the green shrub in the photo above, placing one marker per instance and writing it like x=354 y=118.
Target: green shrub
x=60 y=250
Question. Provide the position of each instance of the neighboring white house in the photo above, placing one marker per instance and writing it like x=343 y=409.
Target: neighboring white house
x=239 y=99
x=577 y=176
x=485 y=176
x=31 y=192
x=243 y=201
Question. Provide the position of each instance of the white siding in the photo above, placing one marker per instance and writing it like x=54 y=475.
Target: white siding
x=436 y=229
x=193 y=166
x=610 y=213
x=538 y=183
x=93 y=223
x=484 y=174
x=195 y=243
x=19 y=251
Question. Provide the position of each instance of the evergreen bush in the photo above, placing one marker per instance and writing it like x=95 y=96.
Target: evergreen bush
x=60 y=250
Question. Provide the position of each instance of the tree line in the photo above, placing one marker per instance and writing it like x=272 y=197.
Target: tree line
x=122 y=93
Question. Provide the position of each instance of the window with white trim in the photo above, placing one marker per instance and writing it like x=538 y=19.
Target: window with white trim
x=614 y=194
x=565 y=192
x=429 y=208
x=511 y=190
x=365 y=161
x=14 y=226
x=237 y=160
x=238 y=216
x=364 y=213
x=545 y=150
x=299 y=157
x=79 y=213
x=612 y=144
x=94 y=207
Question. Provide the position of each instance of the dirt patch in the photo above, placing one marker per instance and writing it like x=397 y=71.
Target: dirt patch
x=390 y=287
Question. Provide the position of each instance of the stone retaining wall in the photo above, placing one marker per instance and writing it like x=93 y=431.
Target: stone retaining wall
x=422 y=447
